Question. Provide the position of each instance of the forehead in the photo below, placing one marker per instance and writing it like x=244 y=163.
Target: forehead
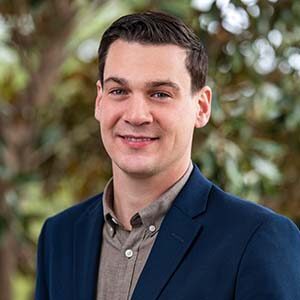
x=139 y=62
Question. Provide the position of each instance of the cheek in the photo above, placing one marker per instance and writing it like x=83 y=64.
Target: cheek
x=180 y=120
x=185 y=127
x=109 y=115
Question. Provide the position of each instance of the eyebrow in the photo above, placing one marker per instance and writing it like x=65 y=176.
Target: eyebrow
x=118 y=80
x=158 y=83
x=151 y=84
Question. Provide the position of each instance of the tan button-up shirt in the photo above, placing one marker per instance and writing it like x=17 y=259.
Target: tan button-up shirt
x=124 y=253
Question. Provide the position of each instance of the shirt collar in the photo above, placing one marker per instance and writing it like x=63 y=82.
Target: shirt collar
x=151 y=215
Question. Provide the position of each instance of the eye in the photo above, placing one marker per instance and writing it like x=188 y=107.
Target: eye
x=118 y=92
x=160 y=95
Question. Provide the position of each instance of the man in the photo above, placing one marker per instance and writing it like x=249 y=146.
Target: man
x=161 y=230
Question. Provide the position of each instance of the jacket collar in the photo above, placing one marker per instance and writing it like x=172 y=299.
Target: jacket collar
x=192 y=199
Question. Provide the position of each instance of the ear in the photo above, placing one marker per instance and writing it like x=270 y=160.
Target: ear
x=98 y=100
x=203 y=98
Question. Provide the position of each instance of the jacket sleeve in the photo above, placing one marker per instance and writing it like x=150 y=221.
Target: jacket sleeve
x=41 y=288
x=270 y=265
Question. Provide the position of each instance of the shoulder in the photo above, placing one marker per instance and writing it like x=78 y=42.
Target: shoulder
x=269 y=247
x=69 y=216
x=242 y=213
x=234 y=204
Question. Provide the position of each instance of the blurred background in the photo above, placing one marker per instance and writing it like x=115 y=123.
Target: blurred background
x=51 y=155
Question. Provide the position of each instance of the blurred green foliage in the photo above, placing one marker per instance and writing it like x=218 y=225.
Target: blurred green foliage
x=50 y=149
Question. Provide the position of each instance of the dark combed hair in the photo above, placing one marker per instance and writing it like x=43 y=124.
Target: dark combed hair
x=158 y=28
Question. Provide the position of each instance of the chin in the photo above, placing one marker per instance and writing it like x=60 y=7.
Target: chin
x=139 y=169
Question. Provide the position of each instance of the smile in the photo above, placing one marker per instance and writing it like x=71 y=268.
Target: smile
x=137 y=141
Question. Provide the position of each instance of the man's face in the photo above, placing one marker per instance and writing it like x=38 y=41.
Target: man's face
x=145 y=108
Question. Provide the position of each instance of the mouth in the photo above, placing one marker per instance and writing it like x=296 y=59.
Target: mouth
x=135 y=141
x=133 y=138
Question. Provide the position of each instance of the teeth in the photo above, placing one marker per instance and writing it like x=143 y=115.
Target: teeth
x=133 y=139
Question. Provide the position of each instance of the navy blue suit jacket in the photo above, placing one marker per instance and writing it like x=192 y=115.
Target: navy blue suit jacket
x=211 y=246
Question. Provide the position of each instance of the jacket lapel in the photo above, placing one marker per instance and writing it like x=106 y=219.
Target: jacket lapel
x=177 y=232
x=87 y=243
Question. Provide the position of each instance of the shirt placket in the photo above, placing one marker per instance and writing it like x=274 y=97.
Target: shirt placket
x=130 y=252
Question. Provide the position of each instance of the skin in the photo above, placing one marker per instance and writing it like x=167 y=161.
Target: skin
x=147 y=116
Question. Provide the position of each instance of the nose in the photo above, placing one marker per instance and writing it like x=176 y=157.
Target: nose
x=137 y=112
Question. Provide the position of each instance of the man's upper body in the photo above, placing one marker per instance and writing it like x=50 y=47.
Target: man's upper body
x=162 y=230
x=210 y=245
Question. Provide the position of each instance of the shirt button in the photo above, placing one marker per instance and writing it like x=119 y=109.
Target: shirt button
x=128 y=253
x=152 y=228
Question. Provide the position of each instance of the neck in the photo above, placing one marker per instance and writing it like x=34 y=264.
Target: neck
x=131 y=193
